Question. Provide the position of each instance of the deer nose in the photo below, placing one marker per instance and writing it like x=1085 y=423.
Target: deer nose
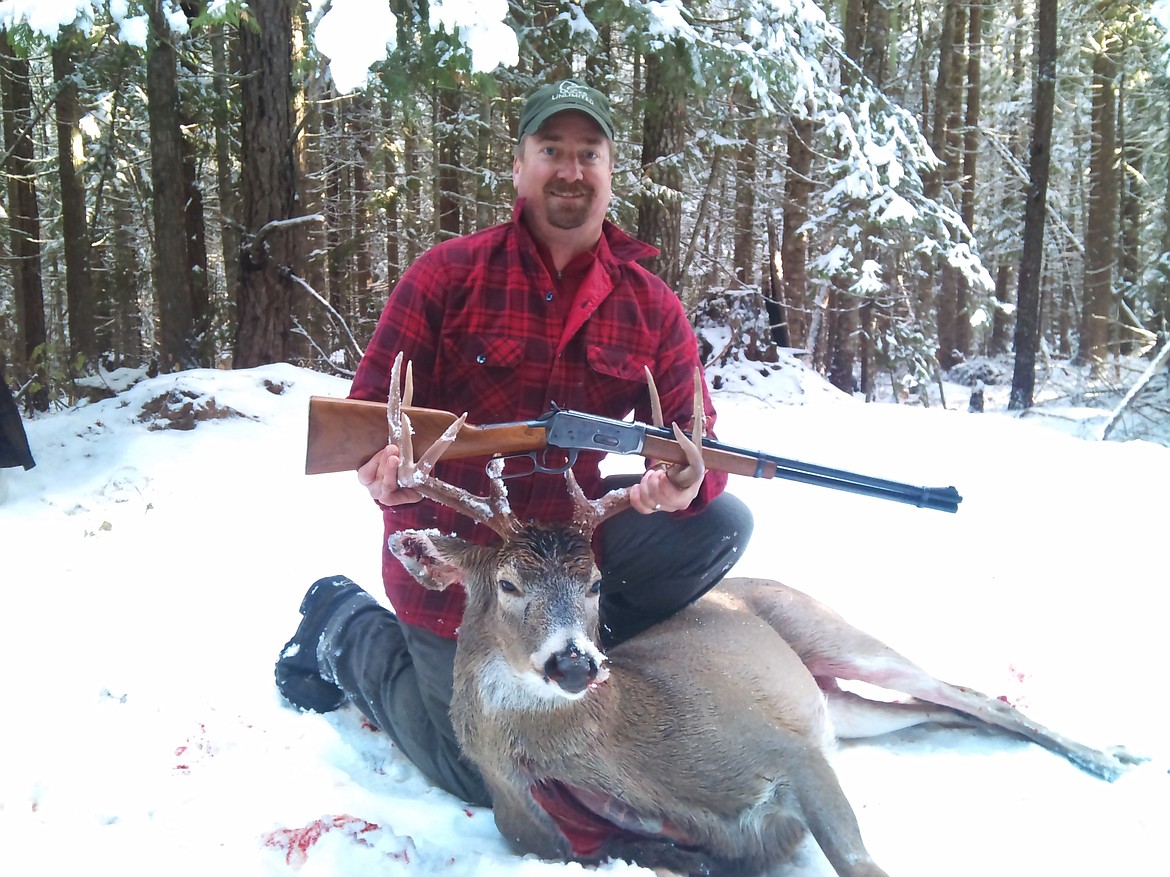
x=571 y=669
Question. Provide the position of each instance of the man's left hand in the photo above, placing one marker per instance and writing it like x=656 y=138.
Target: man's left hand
x=667 y=488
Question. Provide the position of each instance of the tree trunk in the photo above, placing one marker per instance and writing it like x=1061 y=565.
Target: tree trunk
x=172 y=264
x=268 y=186
x=945 y=141
x=225 y=186
x=1101 y=223
x=447 y=145
x=793 y=238
x=1031 y=258
x=970 y=155
x=747 y=133
x=1129 y=229
x=664 y=132
x=24 y=222
x=195 y=231
x=74 y=224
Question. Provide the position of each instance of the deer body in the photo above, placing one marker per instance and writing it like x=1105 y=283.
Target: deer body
x=697 y=746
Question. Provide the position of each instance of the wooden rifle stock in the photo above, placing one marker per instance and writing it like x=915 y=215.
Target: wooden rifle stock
x=345 y=433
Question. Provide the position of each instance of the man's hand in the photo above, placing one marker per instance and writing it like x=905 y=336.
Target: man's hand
x=379 y=475
x=667 y=488
x=657 y=493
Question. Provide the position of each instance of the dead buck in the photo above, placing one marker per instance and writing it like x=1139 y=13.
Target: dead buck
x=698 y=746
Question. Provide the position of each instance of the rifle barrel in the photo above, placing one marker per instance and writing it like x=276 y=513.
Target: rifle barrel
x=743 y=461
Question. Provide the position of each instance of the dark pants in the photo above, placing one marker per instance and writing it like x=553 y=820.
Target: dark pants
x=400 y=676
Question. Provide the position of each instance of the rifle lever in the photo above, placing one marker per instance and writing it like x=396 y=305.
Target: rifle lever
x=538 y=462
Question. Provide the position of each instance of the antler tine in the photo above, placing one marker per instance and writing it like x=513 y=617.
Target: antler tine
x=589 y=513
x=695 y=468
x=408 y=386
x=699 y=420
x=492 y=511
x=394 y=403
x=655 y=402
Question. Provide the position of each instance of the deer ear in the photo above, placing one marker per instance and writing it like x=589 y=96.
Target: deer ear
x=428 y=557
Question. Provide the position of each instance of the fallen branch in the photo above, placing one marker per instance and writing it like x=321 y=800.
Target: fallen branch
x=1148 y=375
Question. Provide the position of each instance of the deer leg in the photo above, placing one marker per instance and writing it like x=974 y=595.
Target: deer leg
x=831 y=648
x=856 y=717
x=830 y=817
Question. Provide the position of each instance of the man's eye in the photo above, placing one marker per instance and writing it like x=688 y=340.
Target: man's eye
x=591 y=156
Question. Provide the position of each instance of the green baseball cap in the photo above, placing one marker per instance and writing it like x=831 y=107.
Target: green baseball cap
x=548 y=100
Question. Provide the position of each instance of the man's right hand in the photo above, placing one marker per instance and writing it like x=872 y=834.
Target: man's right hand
x=379 y=475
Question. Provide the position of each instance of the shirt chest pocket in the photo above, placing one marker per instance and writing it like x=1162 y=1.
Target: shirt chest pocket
x=616 y=380
x=486 y=351
x=483 y=374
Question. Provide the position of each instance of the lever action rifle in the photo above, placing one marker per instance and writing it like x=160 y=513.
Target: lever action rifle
x=345 y=433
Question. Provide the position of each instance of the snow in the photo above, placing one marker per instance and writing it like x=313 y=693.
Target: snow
x=152 y=575
x=353 y=34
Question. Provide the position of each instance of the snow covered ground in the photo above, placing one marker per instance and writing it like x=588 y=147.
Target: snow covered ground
x=152 y=575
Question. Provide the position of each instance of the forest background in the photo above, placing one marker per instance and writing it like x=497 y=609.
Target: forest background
x=898 y=190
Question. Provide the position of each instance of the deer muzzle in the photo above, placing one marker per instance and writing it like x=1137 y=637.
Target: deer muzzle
x=572 y=669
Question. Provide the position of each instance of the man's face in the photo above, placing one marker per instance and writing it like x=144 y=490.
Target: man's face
x=565 y=173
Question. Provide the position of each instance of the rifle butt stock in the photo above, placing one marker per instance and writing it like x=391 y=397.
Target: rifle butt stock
x=344 y=433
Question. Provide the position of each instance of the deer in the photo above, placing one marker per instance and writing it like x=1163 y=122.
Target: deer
x=700 y=746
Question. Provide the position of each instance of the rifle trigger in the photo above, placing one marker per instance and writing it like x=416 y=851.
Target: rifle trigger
x=542 y=465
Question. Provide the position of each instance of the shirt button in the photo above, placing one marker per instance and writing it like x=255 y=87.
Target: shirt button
x=481 y=359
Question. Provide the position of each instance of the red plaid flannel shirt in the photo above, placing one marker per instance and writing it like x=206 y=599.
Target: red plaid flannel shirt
x=482 y=322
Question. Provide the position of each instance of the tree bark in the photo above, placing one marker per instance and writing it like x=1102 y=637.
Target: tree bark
x=225 y=186
x=793 y=237
x=664 y=133
x=1032 y=255
x=267 y=183
x=24 y=222
x=448 y=137
x=970 y=156
x=747 y=133
x=945 y=140
x=1101 y=222
x=172 y=264
x=74 y=224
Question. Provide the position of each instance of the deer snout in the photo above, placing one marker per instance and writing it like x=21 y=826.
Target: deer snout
x=572 y=669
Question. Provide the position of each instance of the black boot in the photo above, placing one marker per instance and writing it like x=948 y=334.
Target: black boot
x=327 y=606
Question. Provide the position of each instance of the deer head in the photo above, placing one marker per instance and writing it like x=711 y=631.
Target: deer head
x=535 y=595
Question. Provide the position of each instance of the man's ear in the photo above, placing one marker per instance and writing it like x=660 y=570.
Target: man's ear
x=429 y=557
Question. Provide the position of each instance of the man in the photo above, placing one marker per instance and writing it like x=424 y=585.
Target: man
x=550 y=307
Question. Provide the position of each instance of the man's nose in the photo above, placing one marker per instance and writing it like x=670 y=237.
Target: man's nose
x=570 y=168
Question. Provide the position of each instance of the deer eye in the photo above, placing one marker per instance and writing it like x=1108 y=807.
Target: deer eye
x=595 y=588
x=507 y=586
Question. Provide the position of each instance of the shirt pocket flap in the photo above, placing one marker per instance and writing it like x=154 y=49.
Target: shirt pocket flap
x=618 y=363
x=499 y=351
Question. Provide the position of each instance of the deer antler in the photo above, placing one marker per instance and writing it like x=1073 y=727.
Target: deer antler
x=492 y=510
x=589 y=513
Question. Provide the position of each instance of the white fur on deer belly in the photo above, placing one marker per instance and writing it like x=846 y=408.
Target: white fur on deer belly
x=503 y=688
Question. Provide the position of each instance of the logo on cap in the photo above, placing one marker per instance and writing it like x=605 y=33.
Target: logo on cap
x=573 y=90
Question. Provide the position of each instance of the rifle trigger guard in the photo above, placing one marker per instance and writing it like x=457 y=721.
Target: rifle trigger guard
x=538 y=463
